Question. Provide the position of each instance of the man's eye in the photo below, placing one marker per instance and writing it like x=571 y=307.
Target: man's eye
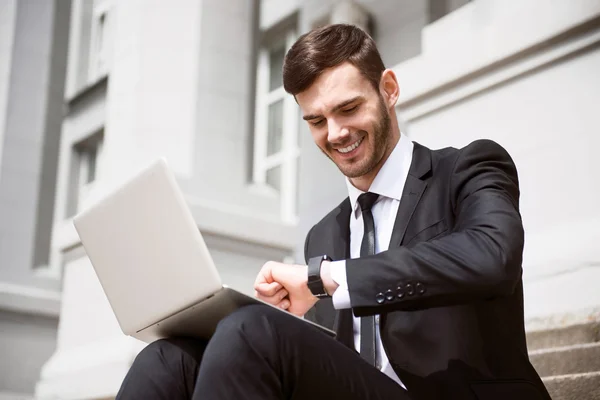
x=349 y=110
x=317 y=123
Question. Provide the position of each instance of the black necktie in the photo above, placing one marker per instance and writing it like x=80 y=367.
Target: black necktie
x=367 y=248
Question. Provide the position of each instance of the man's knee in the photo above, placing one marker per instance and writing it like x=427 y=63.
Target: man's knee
x=248 y=323
x=247 y=336
x=169 y=353
x=151 y=354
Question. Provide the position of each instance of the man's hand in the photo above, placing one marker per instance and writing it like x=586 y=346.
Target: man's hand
x=285 y=286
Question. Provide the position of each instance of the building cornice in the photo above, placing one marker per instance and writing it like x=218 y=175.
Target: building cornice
x=29 y=300
x=463 y=56
x=213 y=221
x=79 y=97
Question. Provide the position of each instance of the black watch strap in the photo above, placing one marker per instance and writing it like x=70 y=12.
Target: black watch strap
x=315 y=284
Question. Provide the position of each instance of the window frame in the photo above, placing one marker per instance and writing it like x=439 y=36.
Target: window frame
x=100 y=41
x=287 y=157
x=81 y=158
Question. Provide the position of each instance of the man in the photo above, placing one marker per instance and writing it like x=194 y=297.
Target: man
x=422 y=260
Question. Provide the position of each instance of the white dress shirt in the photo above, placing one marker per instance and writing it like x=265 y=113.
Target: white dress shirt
x=388 y=184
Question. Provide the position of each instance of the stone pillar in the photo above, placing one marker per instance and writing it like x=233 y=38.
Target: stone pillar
x=150 y=111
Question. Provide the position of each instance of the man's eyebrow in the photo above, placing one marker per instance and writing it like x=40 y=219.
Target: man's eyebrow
x=334 y=109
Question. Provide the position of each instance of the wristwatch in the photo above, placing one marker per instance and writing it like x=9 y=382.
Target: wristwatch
x=315 y=284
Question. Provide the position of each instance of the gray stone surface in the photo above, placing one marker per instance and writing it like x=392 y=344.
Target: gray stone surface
x=574 y=387
x=30 y=134
x=572 y=359
x=32 y=130
x=51 y=131
x=568 y=359
x=26 y=342
x=570 y=335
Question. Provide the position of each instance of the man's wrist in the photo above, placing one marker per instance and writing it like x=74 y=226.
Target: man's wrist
x=328 y=283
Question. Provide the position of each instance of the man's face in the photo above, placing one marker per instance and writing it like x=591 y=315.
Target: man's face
x=348 y=119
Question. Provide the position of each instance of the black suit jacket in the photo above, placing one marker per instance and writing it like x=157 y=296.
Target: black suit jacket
x=449 y=289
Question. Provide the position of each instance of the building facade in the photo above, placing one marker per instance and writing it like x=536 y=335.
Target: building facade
x=33 y=52
x=93 y=90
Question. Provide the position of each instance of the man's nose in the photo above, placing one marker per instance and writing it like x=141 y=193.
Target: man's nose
x=337 y=133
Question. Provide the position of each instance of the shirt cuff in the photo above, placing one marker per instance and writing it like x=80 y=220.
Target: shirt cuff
x=341 y=296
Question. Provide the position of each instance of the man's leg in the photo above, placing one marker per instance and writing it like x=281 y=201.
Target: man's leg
x=164 y=370
x=261 y=353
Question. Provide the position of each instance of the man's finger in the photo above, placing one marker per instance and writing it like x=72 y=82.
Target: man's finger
x=275 y=299
x=281 y=294
x=284 y=305
x=268 y=289
x=271 y=300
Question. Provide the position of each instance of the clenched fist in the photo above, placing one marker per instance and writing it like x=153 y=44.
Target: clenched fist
x=285 y=286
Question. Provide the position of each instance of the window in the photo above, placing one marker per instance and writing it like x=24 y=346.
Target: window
x=90 y=44
x=84 y=170
x=276 y=148
x=99 y=41
x=88 y=158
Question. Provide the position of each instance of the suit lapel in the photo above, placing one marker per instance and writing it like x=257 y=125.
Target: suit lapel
x=342 y=324
x=341 y=232
x=411 y=194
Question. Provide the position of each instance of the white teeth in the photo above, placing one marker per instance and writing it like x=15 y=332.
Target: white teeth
x=351 y=147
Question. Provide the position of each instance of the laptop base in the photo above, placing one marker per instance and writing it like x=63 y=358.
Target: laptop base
x=200 y=320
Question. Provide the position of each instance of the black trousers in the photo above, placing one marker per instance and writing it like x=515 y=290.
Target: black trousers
x=256 y=353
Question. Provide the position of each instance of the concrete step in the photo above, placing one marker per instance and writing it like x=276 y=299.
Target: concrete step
x=585 y=386
x=561 y=337
x=574 y=359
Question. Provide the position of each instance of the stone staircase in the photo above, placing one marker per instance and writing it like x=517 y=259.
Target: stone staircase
x=568 y=360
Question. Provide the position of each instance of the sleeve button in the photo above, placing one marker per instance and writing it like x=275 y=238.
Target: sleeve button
x=400 y=292
x=410 y=289
x=389 y=295
x=420 y=288
x=380 y=298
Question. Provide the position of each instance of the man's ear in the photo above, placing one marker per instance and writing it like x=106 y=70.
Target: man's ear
x=389 y=88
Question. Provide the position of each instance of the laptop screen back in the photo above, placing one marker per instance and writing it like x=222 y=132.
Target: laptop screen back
x=147 y=250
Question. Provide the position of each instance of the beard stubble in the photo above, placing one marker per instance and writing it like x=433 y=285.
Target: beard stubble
x=380 y=132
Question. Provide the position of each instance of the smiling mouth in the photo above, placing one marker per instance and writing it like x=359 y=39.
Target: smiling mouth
x=351 y=147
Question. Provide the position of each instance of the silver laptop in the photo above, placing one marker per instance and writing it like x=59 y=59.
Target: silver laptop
x=152 y=262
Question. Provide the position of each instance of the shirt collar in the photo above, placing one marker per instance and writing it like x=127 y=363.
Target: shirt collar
x=390 y=179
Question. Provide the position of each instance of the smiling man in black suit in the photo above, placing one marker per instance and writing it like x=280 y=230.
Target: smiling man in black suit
x=418 y=270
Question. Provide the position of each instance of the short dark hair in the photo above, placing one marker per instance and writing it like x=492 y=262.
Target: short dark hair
x=328 y=47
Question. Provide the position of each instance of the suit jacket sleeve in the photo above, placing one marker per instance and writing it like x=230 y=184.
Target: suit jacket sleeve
x=480 y=258
x=311 y=314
